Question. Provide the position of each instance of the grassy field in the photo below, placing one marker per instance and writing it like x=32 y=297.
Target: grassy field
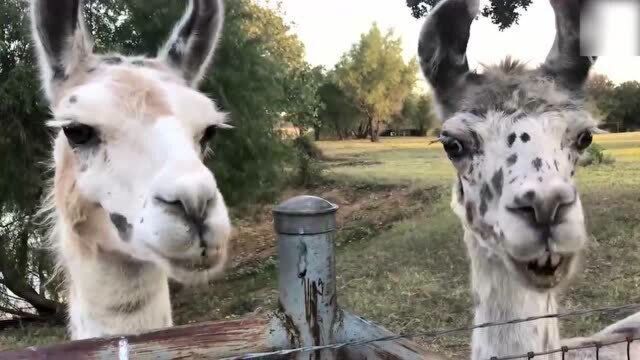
x=401 y=260
x=415 y=276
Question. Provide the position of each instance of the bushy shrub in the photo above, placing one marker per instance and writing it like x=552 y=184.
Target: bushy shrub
x=308 y=166
x=595 y=155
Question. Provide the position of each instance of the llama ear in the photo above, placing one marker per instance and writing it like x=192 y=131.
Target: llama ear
x=442 y=47
x=564 y=62
x=192 y=43
x=61 y=41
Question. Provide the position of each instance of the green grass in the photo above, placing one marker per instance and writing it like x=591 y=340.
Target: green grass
x=411 y=275
x=415 y=276
x=407 y=160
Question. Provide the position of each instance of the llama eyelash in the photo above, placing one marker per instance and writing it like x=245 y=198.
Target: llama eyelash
x=207 y=152
x=59 y=123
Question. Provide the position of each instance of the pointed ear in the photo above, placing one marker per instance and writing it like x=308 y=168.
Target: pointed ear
x=61 y=41
x=564 y=62
x=192 y=43
x=442 y=47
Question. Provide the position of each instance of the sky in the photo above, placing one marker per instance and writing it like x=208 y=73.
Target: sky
x=328 y=28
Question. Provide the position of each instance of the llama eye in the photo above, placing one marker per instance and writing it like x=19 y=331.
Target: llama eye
x=209 y=133
x=584 y=140
x=454 y=148
x=80 y=135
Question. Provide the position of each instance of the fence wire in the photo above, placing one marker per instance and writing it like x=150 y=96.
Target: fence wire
x=438 y=333
x=565 y=349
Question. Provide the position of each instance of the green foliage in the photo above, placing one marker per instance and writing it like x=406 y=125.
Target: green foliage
x=250 y=84
x=502 y=13
x=375 y=75
x=595 y=155
x=339 y=114
x=625 y=107
x=302 y=101
x=308 y=168
x=416 y=114
x=616 y=105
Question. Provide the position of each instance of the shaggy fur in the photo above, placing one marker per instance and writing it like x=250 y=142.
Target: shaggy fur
x=514 y=136
x=131 y=203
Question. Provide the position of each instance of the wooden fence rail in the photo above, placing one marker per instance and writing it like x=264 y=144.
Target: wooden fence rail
x=308 y=314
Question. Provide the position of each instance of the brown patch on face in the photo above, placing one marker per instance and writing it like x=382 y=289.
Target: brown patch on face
x=81 y=215
x=139 y=95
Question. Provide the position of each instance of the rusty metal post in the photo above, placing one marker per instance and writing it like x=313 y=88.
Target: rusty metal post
x=306 y=227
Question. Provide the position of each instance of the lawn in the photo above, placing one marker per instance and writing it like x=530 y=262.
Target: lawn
x=401 y=260
x=415 y=277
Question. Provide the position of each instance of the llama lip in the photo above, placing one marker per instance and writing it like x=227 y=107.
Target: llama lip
x=201 y=264
x=546 y=271
x=209 y=260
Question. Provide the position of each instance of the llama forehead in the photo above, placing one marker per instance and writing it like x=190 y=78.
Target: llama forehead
x=501 y=110
x=117 y=93
x=521 y=93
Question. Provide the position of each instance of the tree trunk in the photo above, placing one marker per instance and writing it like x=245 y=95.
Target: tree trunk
x=316 y=133
x=363 y=130
x=374 y=130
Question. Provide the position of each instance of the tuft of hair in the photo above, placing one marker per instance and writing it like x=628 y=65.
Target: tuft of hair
x=508 y=66
x=48 y=218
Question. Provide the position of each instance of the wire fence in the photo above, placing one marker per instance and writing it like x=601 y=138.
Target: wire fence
x=438 y=333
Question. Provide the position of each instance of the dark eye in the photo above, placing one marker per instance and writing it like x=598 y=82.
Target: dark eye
x=209 y=134
x=584 y=140
x=80 y=135
x=454 y=148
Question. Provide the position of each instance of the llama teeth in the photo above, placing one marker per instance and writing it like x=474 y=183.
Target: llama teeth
x=555 y=260
x=543 y=260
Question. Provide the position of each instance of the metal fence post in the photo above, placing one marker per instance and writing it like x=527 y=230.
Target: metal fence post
x=306 y=227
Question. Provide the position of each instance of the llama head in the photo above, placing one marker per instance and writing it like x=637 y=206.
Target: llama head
x=514 y=136
x=130 y=177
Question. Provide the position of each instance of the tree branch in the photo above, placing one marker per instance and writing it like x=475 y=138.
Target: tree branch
x=20 y=313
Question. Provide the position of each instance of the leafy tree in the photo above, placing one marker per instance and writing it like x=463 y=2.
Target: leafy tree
x=600 y=94
x=416 y=114
x=625 y=107
x=303 y=103
x=24 y=142
x=503 y=13
x=339 y=113
x=375 y=75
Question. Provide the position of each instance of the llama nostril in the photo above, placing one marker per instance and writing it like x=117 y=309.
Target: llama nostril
x=175 y=204
x=194 y=211
x=528 y=213
x=542 y=208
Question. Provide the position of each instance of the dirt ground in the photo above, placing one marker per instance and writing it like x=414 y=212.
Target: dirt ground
x=363 y=210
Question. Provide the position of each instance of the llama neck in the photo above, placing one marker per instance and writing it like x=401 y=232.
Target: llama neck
x=113 y=294
x=499 y=296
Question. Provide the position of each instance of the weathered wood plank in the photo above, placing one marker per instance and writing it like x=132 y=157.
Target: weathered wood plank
x=210 y=340
x=355 y=328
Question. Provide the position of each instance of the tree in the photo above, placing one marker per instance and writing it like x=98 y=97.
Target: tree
x=339 y=112
x=503 y=13
x=375 y=75
x=625 y=107
x=25 y=289
x=416 y=114
x=303 y=103
x=600 y=95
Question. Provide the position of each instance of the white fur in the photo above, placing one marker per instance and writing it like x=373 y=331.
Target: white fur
x=149 y=124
